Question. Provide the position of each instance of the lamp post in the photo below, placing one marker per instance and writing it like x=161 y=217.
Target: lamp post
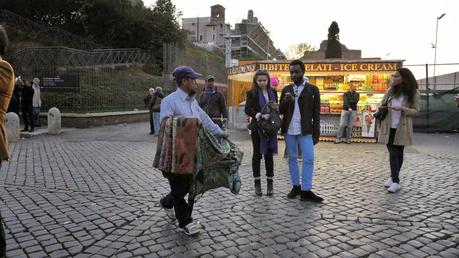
x=267 y=54
x=435 y=55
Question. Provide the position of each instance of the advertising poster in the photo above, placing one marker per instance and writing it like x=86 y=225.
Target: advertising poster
x=368 y=125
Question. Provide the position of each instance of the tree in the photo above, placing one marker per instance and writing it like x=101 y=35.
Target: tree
x=333 y=45
x=60 y=13
x=165 y=21
x=118 y=23
x=298 y=51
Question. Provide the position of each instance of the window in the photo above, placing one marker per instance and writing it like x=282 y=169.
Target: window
x=213 y=27
x=200 y=37
x=213 y=37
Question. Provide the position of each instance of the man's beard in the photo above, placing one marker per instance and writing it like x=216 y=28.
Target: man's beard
x=298 y=81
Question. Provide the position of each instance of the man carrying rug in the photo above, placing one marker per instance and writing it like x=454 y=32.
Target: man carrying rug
x=182 y=103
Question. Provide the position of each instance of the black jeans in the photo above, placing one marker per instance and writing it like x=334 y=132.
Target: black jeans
x=256 y=158
x=180 y=185
x=395 y=157
x=27 y=117
x=152 y=127
x=2 y=232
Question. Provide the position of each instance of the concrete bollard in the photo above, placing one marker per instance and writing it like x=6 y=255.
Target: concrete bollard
x=12 y=127
x=54 y=121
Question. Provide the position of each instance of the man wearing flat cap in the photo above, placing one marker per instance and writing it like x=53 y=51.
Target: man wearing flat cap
x=213 y=102
x=182 y=102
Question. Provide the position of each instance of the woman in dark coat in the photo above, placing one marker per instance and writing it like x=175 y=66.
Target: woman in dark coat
x=261 y=94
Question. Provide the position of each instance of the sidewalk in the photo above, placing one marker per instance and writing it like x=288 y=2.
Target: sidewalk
x=92 y=193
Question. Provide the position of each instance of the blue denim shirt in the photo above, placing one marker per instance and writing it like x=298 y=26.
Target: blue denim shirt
x=179 y=103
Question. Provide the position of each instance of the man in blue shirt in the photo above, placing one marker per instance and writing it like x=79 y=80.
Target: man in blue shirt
x=182 y=102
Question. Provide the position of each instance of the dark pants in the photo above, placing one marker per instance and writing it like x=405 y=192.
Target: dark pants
x=256 y=158
x=395 y=157
x=36 y=116
x=152 y=127
x=180 y=186
x=2 y=233
x=27 y=117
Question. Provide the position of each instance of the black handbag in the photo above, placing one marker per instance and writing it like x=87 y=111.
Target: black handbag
x=382 y=112
x=271 y=126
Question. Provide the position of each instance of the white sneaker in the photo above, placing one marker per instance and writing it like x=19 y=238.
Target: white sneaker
x=394 y=188
x=170 y=213
x=190 y=229
x=389 y=182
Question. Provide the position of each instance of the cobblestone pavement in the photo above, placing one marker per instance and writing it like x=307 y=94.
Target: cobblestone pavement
x=93 y=193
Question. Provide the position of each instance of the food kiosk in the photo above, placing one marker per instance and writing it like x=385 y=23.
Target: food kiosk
x=333 y=77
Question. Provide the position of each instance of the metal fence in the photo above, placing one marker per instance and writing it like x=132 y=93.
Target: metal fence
x=109 y=79
x=438 y=111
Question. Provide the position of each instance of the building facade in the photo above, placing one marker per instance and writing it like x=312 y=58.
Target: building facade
x=208 y=32
x=249 y=39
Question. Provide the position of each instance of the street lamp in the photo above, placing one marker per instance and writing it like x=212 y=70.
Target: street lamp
x=267 y=54
x=436 y=46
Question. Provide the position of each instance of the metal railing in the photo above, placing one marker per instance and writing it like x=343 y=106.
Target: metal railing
x=68 y=57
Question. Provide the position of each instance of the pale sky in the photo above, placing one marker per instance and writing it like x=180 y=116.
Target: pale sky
x=390 y=29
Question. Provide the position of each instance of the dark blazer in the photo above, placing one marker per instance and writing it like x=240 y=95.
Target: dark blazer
x=251 y=104
x=309 y=103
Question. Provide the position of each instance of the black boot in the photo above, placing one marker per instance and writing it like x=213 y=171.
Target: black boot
x=258 y=191
x=310 y=196
x=270 y=190
x=296 y=190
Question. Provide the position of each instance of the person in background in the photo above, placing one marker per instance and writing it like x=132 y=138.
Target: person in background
x=148 y=100
x=182 y=102
x=15 y=102
x=261 y=94
x=26 y=106
x=213 y=102
x=300 y=105
x=156 y=108
x=350 y=99
x=6 y=91
x=396 y=130
x=36 y=102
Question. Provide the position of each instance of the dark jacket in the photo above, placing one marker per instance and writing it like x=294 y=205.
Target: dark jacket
x=350 y=100
x=252 y=107
x=26 y=96
x=156 y=102
x=214 y=106
x=15 y=102
x=148 y=100
x=309 y=103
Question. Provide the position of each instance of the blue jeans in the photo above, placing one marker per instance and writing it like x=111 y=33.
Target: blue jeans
x=36 y=116
x=156 y=122
x=347 y=119
x=307 y=150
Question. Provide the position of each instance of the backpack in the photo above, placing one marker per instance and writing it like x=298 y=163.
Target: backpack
x=271 y=126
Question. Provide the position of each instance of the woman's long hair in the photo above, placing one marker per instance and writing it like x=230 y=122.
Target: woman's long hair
x=254 y=83
x=408 y=87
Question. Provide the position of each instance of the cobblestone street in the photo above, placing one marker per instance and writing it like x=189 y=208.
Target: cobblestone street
x=93 y=193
